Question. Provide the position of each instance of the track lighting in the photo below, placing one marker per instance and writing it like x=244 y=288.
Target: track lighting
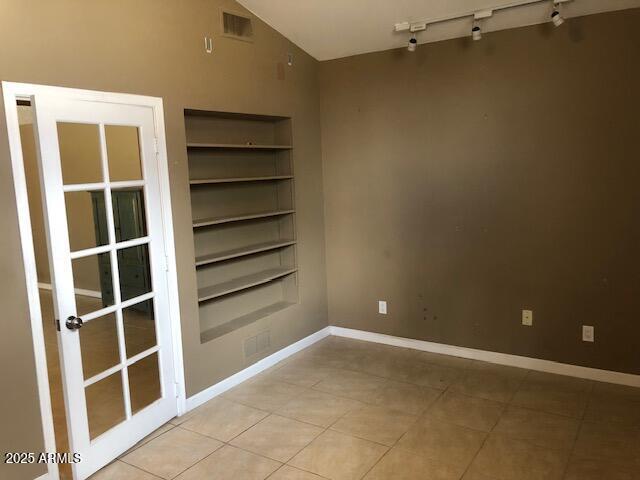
x=556 y=18
x=413 y=43
x=479 y=16
x=476 y=32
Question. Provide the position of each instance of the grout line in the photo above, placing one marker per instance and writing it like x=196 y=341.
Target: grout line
x=579 y=429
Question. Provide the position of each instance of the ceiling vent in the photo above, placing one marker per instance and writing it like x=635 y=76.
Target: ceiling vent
x=237 y=26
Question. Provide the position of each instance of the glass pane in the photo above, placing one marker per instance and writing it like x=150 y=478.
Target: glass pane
x=123 y=152
x=99 y=345
x=144 y=382
x=93 y=282
x=139 y=328
x=128 y=214
x=80 y=153
x=135 y=276
x=86 y=219
x=105 y=404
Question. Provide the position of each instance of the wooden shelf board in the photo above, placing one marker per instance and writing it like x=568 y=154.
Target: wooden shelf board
x=205 y=222
x=243 y=283
x=242 y=321
x=239 y=146
x=208 y=181
x=241 y=252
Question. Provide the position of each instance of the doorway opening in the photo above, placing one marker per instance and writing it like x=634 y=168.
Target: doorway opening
x=85 y=213
x=91 y=184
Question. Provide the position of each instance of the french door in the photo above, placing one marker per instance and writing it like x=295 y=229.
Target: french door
x=103 y=219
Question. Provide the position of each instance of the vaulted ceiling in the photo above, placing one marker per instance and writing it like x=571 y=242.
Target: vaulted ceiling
x=328 y=29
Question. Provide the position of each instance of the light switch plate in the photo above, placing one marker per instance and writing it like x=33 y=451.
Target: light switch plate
x=382 y=307
x=527 y=318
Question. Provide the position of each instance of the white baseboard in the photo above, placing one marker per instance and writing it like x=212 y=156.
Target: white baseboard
x=493 y=357
x=267 y=362
x=78 y=291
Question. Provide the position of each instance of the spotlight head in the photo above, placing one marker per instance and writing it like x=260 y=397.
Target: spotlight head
x=413 y=43
x=556 y=18
x=476 y=32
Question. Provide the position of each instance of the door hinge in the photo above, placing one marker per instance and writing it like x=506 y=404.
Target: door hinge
x=57 y=323
x=166 y=263
x=155 y=145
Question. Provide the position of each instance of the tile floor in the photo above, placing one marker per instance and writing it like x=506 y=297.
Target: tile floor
x=344 y=409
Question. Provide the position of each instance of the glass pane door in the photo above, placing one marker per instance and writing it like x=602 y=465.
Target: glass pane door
x=105 y=233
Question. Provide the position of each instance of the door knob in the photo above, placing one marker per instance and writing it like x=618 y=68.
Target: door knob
x=73 y=323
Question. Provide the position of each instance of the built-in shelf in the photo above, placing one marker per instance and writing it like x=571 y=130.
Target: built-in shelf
x=241 y=252
x=236 y=146
x=242 y=192
x=205 y=222
x=243 y=283
x=239 y=322
x=210 y=181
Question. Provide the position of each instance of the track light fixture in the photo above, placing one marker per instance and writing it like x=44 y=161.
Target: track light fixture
x=413 y=43
x=476 y=32
x=556 y=18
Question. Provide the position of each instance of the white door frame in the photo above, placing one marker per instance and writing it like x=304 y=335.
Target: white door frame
x=22 y=91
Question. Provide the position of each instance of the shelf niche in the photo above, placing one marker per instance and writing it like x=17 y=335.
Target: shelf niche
x=241 y=181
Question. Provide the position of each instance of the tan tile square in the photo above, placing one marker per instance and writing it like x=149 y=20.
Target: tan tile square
x=277 y=437
x=465 y=411
x=374 y=423
x=430 y=375
x=302 y=373
x=609 y=442
x=406 y=397
x=477 y=476
x=156 y=433
x=384 y=361
x=399 y=464
x=318 y=408
x=171 y=453
x=590 y=469
x=497 y=369
x=338 y=457
x=121 y=471
x=355 y=385
x=224 y=419
x=443 y=441
x=230 y=463
x=614 y=403
x=540 y=428
x=553 y=394
x=443 y=360
x=505 y=458
x=264 y=394
x=488 y=383
x=287 y=472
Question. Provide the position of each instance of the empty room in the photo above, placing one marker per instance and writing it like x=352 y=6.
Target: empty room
x=311 y=240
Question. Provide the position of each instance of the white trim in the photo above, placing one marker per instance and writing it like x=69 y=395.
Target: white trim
x=267 y=362
x=13 y=91
x=44 y=476
x=493 y=357
x=170 y=251
x=79 y=291
x=10 y=93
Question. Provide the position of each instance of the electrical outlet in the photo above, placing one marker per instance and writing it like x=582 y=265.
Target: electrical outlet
x=588 y=334
x=527 y=317
x=382 y=307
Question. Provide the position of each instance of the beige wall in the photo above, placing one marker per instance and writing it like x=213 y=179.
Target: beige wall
x=468 y=181
x=155 y=48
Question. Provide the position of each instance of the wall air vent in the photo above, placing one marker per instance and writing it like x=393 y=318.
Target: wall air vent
x=237 y=26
